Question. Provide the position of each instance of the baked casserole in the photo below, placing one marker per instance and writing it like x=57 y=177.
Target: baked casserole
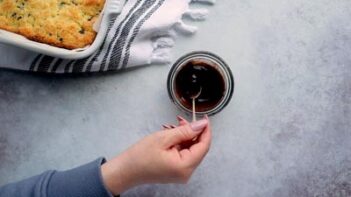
x=61 y=23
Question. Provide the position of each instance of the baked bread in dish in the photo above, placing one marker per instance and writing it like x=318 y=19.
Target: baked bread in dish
x=61 y=23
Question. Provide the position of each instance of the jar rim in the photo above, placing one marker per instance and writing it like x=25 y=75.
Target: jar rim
x=229 y=78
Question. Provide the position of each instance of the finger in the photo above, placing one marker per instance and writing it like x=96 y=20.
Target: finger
x=195 y=139
x=198 y=150
x=208 y=127
x=187 y=144
x=204 y=142
x=184 y=133
x=182 y=121
x=178 y=147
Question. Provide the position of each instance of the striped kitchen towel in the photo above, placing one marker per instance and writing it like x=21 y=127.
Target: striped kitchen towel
x=142 y=34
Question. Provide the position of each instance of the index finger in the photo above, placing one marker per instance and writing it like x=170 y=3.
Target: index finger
x=197 y=151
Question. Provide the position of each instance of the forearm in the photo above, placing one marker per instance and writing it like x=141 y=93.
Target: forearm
x=84 y=181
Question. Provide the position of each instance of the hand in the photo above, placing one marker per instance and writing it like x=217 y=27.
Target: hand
x=167 y=156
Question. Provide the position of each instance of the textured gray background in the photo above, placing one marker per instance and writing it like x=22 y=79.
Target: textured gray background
x=287 y=132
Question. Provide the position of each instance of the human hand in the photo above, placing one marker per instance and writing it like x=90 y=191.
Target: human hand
x=167 y=156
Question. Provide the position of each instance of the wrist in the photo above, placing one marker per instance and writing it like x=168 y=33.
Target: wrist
x=117 y=175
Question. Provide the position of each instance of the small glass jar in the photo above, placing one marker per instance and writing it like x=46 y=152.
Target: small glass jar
x=213 y=76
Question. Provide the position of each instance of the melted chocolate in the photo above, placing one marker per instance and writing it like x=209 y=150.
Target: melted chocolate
x=196 y=75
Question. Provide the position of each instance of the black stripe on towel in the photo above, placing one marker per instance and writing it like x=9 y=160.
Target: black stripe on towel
x=45 y=63
x=57 y=64
x=122 y=40
x=68 y=66
x=97 y=53
x=136 y=31
x=34 y=62
x=123 y=23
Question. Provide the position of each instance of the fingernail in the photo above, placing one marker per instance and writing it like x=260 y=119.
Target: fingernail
x=198 y=126
x=165 y=126
x=180 y=118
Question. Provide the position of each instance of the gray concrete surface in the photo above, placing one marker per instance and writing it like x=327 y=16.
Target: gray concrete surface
x=287 y=132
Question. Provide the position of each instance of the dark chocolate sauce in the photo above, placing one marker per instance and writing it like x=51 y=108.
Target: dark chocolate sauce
x=196 y=75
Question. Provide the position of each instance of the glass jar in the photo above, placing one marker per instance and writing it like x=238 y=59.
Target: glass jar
x=205 y=72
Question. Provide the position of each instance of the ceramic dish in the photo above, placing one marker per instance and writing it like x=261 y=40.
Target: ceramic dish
x=111 y=9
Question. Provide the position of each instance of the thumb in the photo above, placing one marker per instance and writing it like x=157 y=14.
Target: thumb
x=184 y=133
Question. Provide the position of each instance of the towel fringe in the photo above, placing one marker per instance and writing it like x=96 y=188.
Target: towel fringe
x=162 y=49
x=205 y=1
x=196 y=14
x=161 y=56
x=183 y=28
x=163 y=41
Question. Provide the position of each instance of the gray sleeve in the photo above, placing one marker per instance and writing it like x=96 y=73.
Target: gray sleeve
x=83 y=181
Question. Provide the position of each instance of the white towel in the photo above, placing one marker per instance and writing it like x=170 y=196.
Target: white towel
x=142 y=34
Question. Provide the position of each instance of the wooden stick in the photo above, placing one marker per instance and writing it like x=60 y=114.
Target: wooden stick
x=194 y=113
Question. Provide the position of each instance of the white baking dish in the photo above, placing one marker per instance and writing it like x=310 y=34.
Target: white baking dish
x=111 y=9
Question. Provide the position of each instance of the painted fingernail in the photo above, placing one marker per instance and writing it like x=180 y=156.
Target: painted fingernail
x=165 y=126
x=180 y=118
x=198 y=126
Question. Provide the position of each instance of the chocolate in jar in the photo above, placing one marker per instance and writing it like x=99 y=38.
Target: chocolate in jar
x=196 y=75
